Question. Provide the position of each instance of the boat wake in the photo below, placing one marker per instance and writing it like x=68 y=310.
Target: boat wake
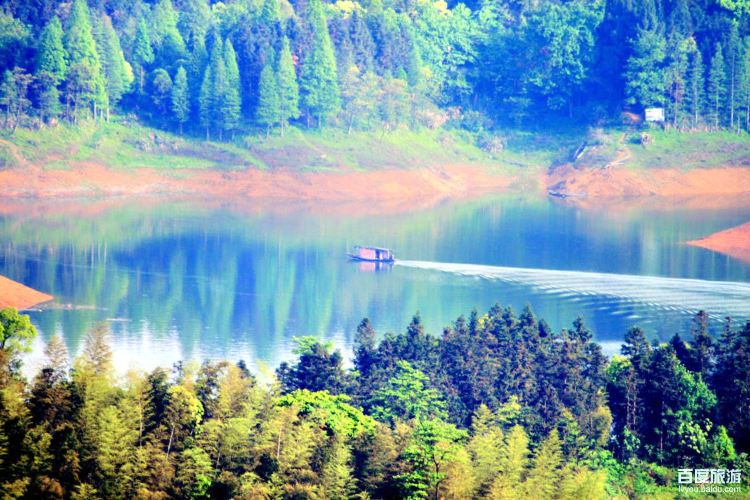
x=720 y=298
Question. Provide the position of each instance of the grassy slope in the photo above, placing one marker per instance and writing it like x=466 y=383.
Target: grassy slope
x=668 y=149
x=129 y=145
x=121 y=145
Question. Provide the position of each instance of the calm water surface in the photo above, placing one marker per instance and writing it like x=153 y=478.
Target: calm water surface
x=181 y=281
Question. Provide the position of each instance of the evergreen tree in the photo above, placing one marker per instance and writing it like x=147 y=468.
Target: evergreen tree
x=644 y=77
x=733 y=58
x=287 y=85
x=169 y=46
x=116 y=71
x=676 y=76
x=79 y=39
x=716 y=95
x=143 y=53
x=57 y=357
x=696 y=86
x=268 y=112
x=161 y=91
x=196 y=70
x=319 y=78
x=87 y=84
x=181 y=98
x=51 y=68
x=212 y=89
x=231 y=102
x=363 y=47
x=744 y=82
x=52 y=57
x=194 y=20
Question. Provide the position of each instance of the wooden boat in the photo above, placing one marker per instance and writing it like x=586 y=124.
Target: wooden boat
x=371 y=254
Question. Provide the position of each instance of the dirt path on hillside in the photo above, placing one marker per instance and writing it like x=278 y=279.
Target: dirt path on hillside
x=14 y=294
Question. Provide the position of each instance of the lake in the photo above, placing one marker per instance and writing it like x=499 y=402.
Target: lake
x=178 y=280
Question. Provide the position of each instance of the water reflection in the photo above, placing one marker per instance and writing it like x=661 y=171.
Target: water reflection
x=184 y=280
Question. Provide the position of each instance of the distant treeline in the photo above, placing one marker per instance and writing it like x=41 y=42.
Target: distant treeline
x=223 y=67
x=499 y=406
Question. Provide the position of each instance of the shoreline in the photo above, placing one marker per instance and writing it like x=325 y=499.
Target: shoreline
x=622 y=183
x=586 y=187
x=391 y=184
x=19 y=296
x=734 y=242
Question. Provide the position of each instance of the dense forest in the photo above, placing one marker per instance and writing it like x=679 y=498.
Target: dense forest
x=498 y=406
x=216 y=69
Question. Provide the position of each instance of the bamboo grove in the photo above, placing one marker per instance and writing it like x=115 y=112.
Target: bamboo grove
x=498 y=406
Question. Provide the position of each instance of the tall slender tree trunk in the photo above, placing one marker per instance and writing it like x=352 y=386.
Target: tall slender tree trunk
x=169 y=446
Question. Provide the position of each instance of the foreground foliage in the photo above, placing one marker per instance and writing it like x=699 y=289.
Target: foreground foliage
x=499 y=406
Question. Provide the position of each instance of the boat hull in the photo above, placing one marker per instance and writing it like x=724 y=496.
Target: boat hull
x=364 y=259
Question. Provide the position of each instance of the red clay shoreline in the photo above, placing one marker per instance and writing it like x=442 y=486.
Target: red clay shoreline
x=14 y=294
x=734 y=242
x=393 y=190
x=91 y=179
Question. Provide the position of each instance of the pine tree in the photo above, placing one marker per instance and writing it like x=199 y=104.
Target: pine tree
x=732 y=65
x=52 y=57
x=414 y=64
x=97 y=353
x=269 y=109
x=116 y=71
x=193 y=22
x=196 y=69
x=143 y=53
x=676 y=76
x=744 y=82
x=696 y=86
x=231 y=103
x=79 y=39
x=169 y=46
x=717 y=87
x=212 y=89
x=644 y=78
x=287 y=85
x=363 y=47
x=181 y=98
x=57 y=357
x=270 y=12
x=319 y=77
x=88 y=84
x=161 y=91
x=51 y=68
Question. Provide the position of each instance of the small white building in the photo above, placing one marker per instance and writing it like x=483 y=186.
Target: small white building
x=655 y=115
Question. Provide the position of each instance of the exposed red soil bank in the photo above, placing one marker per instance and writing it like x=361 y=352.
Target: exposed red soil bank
x=14 y=294
x=615 y=182
x=87 y=179
x=734 y=242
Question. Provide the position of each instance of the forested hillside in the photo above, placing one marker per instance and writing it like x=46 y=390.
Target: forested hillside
x=219 y=68
x=499 y=406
